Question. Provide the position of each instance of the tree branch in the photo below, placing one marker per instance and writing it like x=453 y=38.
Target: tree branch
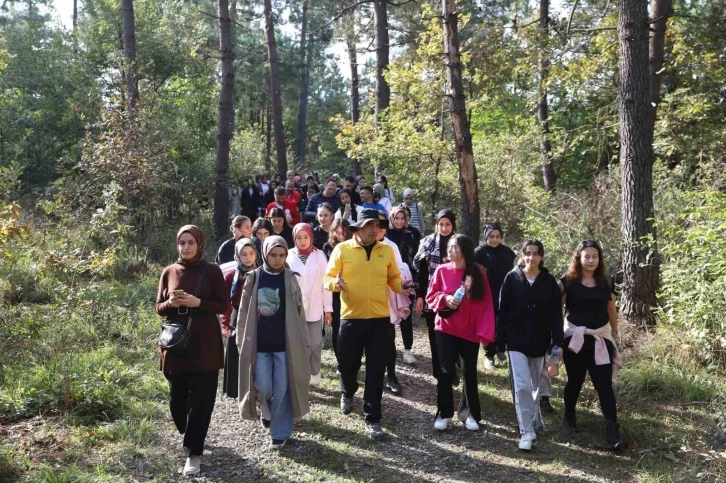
x=569 y=20
x=341 y=13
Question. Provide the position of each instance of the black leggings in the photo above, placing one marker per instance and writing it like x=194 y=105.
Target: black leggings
x=407 y=331
x=577 y=365
x=436 y=365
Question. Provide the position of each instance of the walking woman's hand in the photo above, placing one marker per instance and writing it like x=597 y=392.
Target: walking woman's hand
x=328 y=319
x=419 y=306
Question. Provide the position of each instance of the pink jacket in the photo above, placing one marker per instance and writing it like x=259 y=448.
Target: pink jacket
x=474 y=320
x=602 y=357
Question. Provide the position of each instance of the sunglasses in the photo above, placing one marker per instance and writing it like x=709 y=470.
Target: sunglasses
x=591 y=243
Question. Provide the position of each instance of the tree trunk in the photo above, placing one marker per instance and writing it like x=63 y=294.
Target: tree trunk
x=129 y=41
x=75 y=14
x=383 y=92
x=268 y=140
x=640 y=269
x=225 y=124
x=660 y=10
x=302 y=113
x=470 y=223
x=275 y=90
x=350 y=40
x=548 y=171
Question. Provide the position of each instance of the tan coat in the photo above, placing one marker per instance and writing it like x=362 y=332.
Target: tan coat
x=297 y=346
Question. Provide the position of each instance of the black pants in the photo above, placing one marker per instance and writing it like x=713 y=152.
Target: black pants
x=391 y=353
x=577 y=365
x=231 y=369
x=191 y=400
x=451 y=348
x=336 y=324
x=430 y=316
x=407 y=331
x=355 y=337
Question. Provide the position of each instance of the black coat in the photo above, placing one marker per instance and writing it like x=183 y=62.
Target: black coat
x=497 y=262
x=530 y=317
x=250 y=202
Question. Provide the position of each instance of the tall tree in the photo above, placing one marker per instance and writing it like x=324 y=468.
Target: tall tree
x=350 y=41
x=548 y=172
x=275 y=89
x=640 y=270
x=383 y=92
x=470 y=223
x=129 y=41
x=75 y=14
x=302 y=113
x=225 y=122
x=660 y=11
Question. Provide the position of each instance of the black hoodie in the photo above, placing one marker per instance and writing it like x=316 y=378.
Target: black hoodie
x=529 y=316
x=497 y=262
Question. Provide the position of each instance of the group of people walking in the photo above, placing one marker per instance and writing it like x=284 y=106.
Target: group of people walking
x=363 y=269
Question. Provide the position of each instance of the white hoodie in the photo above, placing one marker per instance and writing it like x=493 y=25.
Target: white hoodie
x=316 y=300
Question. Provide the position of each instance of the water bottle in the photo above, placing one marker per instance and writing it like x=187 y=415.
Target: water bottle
x=459 y=294
x=553 y=369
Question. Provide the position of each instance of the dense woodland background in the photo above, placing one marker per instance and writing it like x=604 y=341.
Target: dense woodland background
x=577 y=119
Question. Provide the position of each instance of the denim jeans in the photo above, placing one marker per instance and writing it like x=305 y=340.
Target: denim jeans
x=272 y=386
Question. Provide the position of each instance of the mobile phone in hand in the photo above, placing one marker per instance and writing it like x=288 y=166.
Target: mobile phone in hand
x=177 y=292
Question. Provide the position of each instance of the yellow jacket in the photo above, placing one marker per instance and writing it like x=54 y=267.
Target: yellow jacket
x=368 y=280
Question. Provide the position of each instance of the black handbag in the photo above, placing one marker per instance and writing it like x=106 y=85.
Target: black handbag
x=447 y=312
x=176 y=330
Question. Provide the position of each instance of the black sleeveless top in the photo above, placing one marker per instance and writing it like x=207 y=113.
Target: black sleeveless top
x=587 y=306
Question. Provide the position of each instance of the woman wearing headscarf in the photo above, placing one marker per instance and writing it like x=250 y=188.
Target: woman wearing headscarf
x=387 y=192
x=432 y=253
x=274 y=346
x=310 y=264
x=497 y=259
x=348 y=209
x=245 y=257
x=379 y=196
x=399 y=234
x=193 y=288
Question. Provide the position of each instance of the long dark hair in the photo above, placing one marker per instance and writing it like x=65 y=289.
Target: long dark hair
x=278 y=213
x=466 y=247
x=337 y=223
x=574 y=272
x=540 y=250
x=262 y=223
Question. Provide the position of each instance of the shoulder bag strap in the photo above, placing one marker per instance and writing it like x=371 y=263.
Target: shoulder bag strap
x=201 y=278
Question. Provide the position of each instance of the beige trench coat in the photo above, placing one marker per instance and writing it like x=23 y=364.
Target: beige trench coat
x=297 y=346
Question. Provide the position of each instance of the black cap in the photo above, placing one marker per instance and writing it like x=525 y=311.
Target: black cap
x=368 y=215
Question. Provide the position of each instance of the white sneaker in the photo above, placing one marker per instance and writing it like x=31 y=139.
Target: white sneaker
x=408 y=358
x=192 y=466
x=488 y=364
x=533 y=436
x=315 y=379
x=441 y=423
x=525 y=442
x=471 y=424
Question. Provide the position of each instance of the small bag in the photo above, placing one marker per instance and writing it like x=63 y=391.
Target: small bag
x=447 y=312
x=176 y=331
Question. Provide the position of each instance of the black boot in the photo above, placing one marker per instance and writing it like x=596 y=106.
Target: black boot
x=544 y=405
x=570 y=422
x=613 y=439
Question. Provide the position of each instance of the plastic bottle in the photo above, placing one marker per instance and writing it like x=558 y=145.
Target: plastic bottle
x=459 y=294
x=553 y=369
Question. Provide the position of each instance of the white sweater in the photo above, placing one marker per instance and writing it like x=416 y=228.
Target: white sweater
x=316 y=300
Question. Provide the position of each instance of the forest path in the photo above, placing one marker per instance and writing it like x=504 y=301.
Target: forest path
x=328 y=446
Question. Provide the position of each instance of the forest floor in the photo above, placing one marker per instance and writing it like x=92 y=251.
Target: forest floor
x=670 y=441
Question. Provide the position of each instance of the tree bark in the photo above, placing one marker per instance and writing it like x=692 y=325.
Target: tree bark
x=640 y=269
x=470 y=223
x=548 y=171
x=129 y=40
x=383 y=92
x=275 y=90
x=660 y=11
x=268 y=140
x=75 y=14
x=225 y=124
x=302 y=113
x=350 y=40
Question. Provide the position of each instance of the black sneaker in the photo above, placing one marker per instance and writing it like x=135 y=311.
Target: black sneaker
x=544 y=405
x=277 y=443
x=393 y=384
x=569 y=423
x=265 y=423
x=374 y=430
x=613 y=439
x=346 y=404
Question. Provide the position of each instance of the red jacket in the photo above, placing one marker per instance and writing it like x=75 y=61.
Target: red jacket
x=288 y=207
x=293 y=198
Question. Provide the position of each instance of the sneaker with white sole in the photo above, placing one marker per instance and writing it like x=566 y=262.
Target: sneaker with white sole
x=441 y=423
x=525 y=442
x=192 y=466
x=277 y=443
x=315 y=379
x=471 y=423
x=374 y=430
x=488 y=363
x=408 y=358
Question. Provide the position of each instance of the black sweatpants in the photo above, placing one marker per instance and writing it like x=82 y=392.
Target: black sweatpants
x=191 y=400
x=577 y=365
x=407 y=330
x=391 y=353
x=355 y=337
x=435 y=364
x=451 y=348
